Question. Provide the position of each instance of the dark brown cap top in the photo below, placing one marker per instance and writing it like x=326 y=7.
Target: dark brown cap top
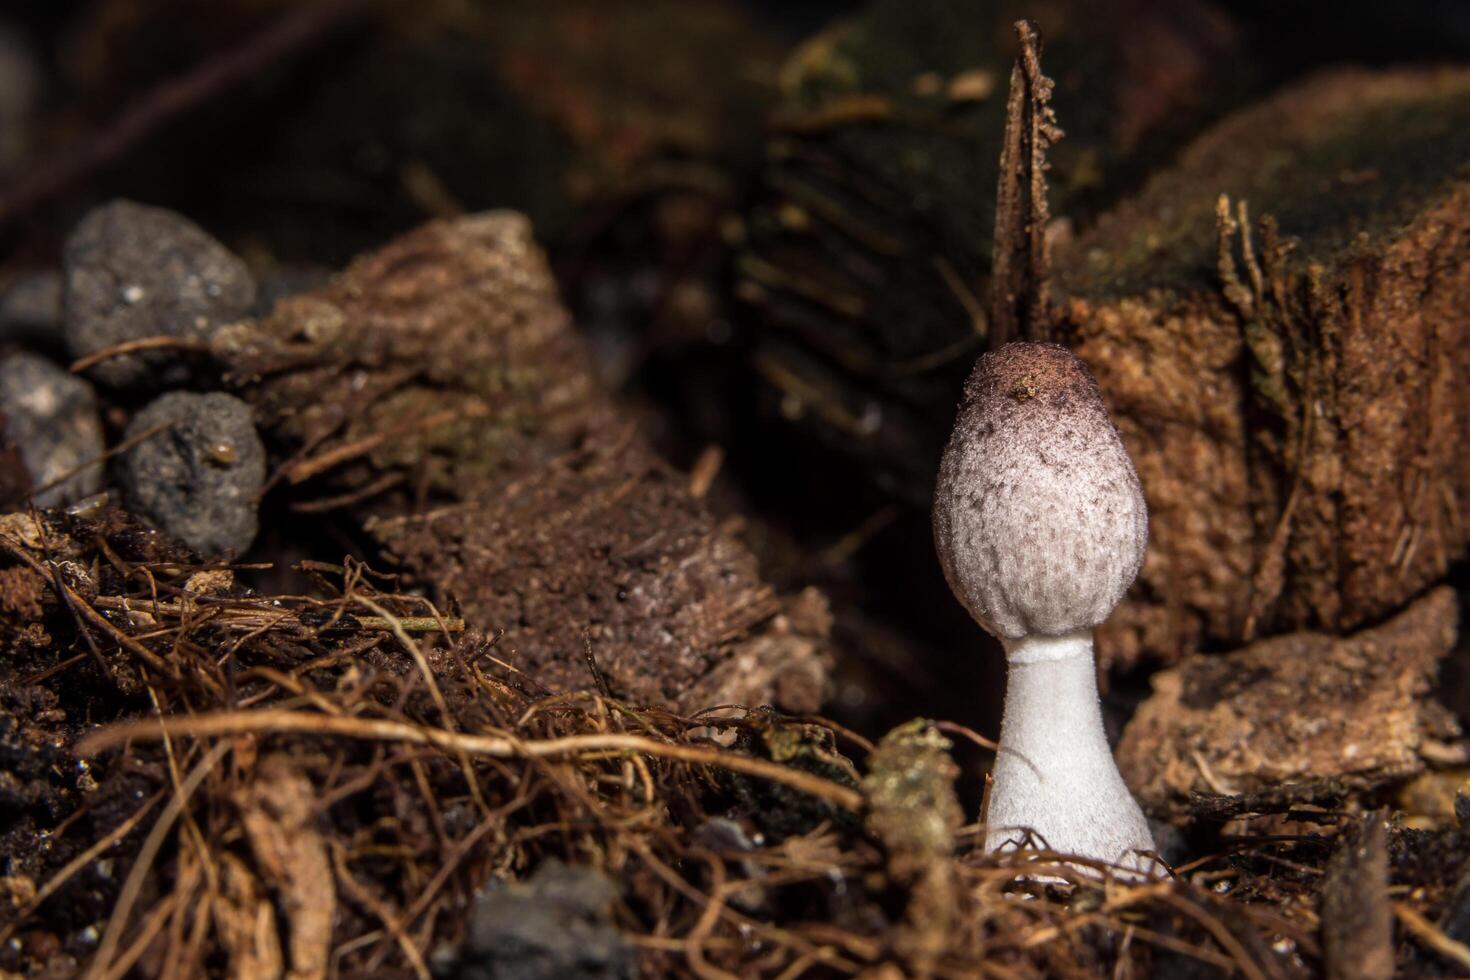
x=1039 y=519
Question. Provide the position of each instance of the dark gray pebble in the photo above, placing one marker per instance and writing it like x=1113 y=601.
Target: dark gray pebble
x=198 y=479
x=50 y=418
x=134 y=271
x=557 y=925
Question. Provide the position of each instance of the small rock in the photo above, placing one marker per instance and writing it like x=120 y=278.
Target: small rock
x=557 y=925
x=197 y=480
x=50 y=418
x=134 y=271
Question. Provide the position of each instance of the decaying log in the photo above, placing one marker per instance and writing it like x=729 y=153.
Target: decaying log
x=1307 y=708
x=436 y=392
x=868 y=249
x=1294 y=391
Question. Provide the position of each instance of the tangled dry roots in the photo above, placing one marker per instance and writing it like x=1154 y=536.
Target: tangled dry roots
x=201 y=780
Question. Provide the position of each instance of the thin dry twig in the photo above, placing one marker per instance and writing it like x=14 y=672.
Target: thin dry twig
x=102 y=457
x=1426 y=932
x=265 y=721
x=117 y=923
x=305 y=469
x=1019 y=307
x=162 y=342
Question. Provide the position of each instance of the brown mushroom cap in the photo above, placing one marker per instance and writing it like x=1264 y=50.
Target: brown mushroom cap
x=1039 y=519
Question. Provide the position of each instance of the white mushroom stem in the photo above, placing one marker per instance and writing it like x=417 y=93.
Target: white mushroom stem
x=1041 y=525
x=1054 y=774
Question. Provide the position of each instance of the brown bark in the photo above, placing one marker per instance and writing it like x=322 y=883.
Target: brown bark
x=1294 y=393
x=1310 y=709
x=436 y=392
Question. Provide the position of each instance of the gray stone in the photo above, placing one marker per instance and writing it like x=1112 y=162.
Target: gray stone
x=50 y=417
x=199 y=478
x=134 y=271
x=555 y=926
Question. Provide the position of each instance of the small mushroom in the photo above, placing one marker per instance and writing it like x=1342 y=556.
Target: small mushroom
x=1040 y=524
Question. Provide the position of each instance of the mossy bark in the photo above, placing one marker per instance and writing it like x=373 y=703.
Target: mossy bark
x=436 y=393
x=1293 y=391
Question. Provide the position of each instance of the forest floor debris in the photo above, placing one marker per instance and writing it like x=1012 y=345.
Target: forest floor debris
x=225 y=781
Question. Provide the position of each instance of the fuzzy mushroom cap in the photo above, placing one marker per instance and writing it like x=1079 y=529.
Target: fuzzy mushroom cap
x=1039 y=518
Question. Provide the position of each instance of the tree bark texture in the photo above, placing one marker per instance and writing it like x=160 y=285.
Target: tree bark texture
x=1294 y=389
x=436 y=393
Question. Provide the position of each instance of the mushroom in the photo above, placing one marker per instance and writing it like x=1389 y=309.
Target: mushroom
x=1040 y=524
